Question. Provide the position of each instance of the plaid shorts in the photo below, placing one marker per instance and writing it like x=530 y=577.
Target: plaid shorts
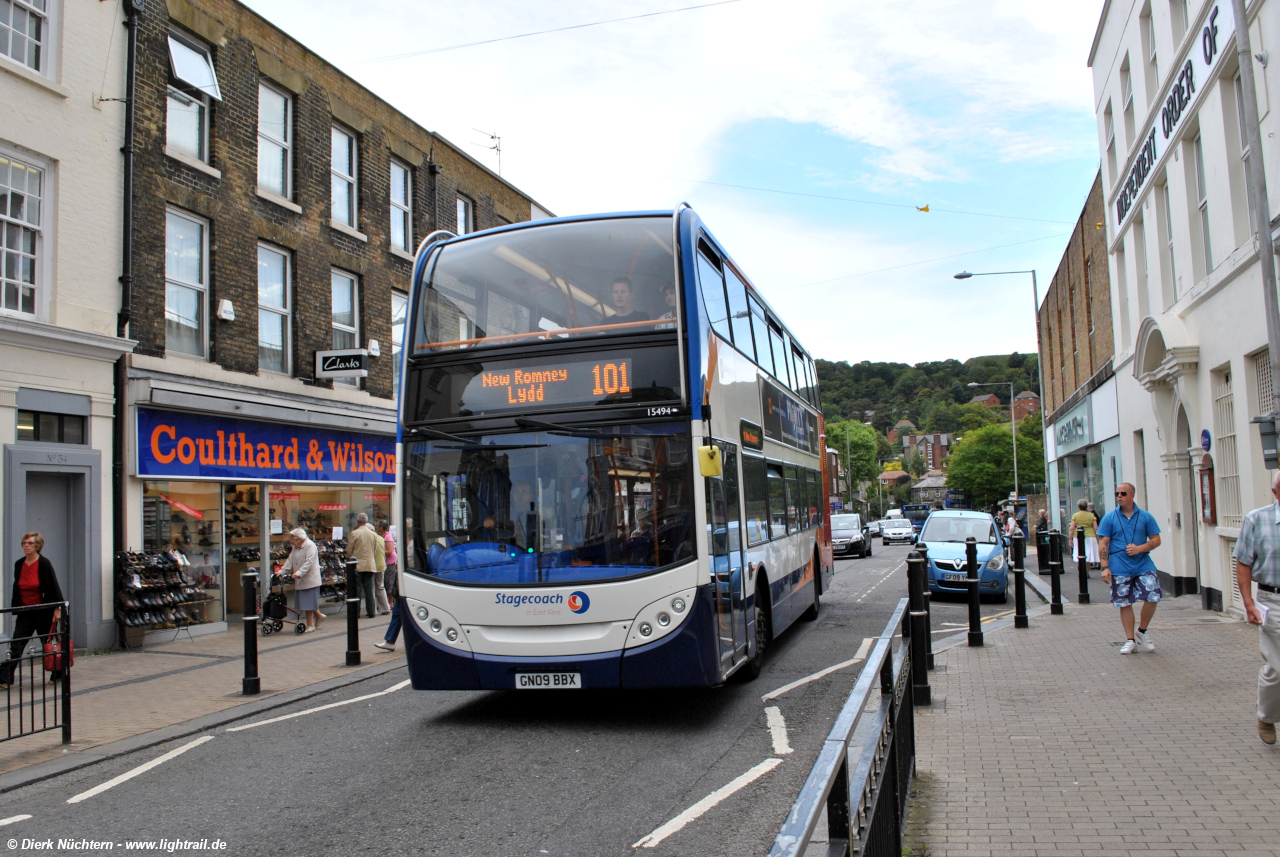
x=1140 y=587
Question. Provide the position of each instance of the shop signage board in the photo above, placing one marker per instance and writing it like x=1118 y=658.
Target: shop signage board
x=1214 y=40
x=208 y=447
x=1074 y=430
x=343 y=363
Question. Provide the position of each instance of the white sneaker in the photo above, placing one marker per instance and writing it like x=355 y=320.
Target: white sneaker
x=1128 y=648
x=1144 y=642
x=385 y=646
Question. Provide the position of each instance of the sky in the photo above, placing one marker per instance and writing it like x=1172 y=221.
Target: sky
x=982 y=111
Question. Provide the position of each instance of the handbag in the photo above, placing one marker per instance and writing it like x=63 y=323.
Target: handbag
x=53 y=655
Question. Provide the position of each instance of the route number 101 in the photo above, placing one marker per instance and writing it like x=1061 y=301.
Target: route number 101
x=610 y=378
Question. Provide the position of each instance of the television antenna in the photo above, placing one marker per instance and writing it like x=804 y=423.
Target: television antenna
x=496 y=147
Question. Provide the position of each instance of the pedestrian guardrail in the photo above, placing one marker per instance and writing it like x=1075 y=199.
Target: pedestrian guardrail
x=33 y=703
x=863 y=776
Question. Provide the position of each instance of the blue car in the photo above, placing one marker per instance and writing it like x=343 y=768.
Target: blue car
x=945 y=532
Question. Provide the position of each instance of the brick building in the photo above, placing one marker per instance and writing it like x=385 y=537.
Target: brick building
x=1081 y=442
x=1025 y=403
x=933 y=448
x=278 y=205
x=991 y=400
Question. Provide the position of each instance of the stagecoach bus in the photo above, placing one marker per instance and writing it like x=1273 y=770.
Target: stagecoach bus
x=611 y=460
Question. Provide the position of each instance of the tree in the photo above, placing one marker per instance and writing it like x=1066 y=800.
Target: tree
x=915 y=464
x=982 y=464
x=856 y=443
x=1032 y=426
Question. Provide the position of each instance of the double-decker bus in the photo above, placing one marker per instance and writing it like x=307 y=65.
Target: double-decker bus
x=612 y=463
x=916 y=513
x=957 y=499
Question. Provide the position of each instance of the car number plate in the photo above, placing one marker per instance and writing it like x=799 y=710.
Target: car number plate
x=959 y=578
x=544 y=681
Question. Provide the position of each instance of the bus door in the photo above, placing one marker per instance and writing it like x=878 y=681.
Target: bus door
x=728 y=578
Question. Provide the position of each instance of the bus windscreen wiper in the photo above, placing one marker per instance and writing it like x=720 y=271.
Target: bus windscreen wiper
x=471 y=445
x=543 y=425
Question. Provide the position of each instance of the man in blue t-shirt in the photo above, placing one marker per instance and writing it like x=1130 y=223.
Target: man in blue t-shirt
x=1126 y=538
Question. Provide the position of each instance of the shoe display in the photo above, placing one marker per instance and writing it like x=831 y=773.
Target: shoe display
x=1128 y=648
x=1144 y=641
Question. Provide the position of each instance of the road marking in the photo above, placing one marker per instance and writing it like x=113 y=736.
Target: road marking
x=696 y=811
x=307 y=711
x=141 y=769
x=777 y=729
x=887 y=575
x=13 y=818
x=863 y=650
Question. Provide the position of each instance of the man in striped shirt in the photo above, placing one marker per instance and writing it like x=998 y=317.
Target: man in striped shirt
x=1258 y=561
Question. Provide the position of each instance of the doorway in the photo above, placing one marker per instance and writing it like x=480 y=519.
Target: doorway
x=55 y=504
x=724 y=517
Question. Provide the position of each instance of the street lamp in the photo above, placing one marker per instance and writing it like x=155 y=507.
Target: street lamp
x=1013 y=429
x=1035 y=297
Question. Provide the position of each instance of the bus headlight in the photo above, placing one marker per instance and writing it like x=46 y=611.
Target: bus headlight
x=677 y=604
x=645 y=629
x=422 y=613
x=452 y=635
x=664 y=620
x=435 y=626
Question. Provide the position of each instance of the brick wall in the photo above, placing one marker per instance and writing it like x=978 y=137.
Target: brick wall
x=1075 y=317
x=245 y=50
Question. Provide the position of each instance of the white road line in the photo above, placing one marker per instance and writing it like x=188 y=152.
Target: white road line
x=887 y=575
x=778 y=730
x=696 y=811
x=141 y=769
x=13 y=818
x=307 y=711
x=861 y=655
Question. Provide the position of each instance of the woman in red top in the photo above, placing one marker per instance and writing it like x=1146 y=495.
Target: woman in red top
x=34 y=582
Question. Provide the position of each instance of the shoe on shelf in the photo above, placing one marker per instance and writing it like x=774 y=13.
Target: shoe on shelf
x=1145 y=644
x=391 y=647
x=1266 y=731
x=1129 y=647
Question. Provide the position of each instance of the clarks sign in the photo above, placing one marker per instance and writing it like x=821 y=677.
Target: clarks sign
x=342 y=363
x=1214 y=41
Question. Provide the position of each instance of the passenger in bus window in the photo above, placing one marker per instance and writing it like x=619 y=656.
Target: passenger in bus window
x=621 y=291
x=669 y=295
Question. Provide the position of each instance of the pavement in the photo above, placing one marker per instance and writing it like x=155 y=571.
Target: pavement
x=1048 y=741
x=127 y=700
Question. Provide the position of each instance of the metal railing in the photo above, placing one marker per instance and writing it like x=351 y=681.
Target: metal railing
x=866 y=811
x=34 y=704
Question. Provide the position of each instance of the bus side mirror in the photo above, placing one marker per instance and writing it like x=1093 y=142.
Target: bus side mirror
x=709 y=461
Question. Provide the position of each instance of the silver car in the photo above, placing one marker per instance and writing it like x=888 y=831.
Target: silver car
x=896 y=530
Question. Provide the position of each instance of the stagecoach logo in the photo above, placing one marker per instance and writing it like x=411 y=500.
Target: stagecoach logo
x=579 y=602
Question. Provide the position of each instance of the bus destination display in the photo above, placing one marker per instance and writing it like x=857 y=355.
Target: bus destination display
x=584 y=382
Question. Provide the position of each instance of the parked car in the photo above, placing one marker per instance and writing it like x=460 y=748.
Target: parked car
x=945 y=532
x=848 y=536
x=896 y=530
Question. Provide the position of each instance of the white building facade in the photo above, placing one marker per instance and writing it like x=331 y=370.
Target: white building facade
x=62 y=66
x=1191 y=359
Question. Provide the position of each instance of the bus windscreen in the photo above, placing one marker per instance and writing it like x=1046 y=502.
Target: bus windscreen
x=557 y=282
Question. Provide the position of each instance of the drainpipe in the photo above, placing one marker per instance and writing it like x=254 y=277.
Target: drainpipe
x=119 y=410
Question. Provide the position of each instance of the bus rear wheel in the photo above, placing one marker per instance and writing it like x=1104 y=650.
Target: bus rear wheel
x=764 y=634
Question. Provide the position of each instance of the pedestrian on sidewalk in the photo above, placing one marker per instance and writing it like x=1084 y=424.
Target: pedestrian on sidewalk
x=380 y=563
x=1085 y=518
x=303 y=565
x=34 y=582
x=388 y=643
x=361 y=547
x=1126 y=538
x=1258 y=560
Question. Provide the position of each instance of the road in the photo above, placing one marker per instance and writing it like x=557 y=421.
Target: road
x=495 y=773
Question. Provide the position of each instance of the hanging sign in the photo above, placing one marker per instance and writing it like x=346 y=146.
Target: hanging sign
x=343 y=363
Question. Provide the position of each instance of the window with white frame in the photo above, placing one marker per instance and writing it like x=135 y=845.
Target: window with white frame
x=24 y=30
x=1180 y=12
x=22 y=191
x=275 y=141
x=1202 y=202
x=1244 y=153
x=1109 y=132
x=1225 y=464
x=1126 y=98
x=186 y=274
x=342 y=170
x=192 y=83
x=399 y=311
x=466 y=217
x=273 y=309
x=345 y=314
x=1153 y=62
x=1168 y=240
x=401 y=207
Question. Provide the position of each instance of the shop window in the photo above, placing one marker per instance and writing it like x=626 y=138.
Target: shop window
x=50 y=428
x=184 y=521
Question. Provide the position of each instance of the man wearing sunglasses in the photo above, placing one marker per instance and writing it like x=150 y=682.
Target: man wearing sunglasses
x=1126 y=538
x=1258 y=561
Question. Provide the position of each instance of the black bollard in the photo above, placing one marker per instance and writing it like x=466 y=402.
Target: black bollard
x=1055 y=572
x=975 y=594
x=1018 y=549
x=353 y=615
x=923 y=550
x=1083 y=597
x=922 y=695
x=251 y=684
